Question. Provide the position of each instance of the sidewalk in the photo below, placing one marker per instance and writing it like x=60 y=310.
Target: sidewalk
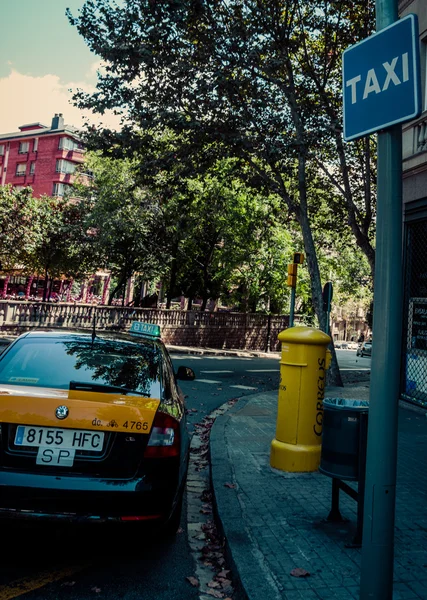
x=273 y=521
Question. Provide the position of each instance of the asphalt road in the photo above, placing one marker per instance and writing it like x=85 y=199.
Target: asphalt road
x=83 y=563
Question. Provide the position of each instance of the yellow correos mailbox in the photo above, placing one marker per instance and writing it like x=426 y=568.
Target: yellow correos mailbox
x=303 y=366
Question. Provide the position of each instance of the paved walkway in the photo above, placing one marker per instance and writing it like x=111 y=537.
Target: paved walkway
x=274 y=521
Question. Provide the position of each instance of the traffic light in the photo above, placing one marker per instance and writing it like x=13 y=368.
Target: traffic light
x=292 y=274
x=298 y=258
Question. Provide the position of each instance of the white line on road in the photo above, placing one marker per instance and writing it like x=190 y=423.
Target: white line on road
x=243 y=387
x=207 y=381
x=216 y=371
x=262 y=370
x=186 y=357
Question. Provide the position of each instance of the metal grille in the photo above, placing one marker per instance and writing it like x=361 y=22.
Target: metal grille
x=414 y=356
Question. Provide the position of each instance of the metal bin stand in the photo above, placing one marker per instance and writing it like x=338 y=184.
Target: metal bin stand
x=343 y=453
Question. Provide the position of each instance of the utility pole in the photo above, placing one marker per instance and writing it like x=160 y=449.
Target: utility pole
x=380 y=496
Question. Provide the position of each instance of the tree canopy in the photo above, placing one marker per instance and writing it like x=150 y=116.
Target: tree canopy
x=244 y=79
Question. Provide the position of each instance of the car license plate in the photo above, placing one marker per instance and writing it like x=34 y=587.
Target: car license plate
x=60 y=439
x=55 y=456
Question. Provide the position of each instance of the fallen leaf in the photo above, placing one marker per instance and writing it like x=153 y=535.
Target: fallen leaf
x=298 y=572
x=69 y=583
x=225 y=582
x=180 y=530
x=215 y=593
x=205 y=512
x=230 y=485
x=96 y=589
x=194 y=581
x=214 y=584
x=223 y=573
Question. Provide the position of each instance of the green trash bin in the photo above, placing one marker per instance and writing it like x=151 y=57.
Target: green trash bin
x=344 y=437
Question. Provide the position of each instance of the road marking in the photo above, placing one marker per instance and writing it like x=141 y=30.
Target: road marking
x=263 y=370
x=216 y=371
x=229 y=357
x=355 y=368
x=204 y=381
x=18 y=587
x=241 y=387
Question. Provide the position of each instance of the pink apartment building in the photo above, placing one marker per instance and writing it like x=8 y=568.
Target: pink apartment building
x=42 y=157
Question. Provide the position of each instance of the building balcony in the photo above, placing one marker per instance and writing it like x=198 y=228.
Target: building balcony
x=73 y=155
x=415 y=144
x=64 y=178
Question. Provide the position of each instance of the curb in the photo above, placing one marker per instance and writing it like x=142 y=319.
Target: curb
x=220 y=352
x=239 y=548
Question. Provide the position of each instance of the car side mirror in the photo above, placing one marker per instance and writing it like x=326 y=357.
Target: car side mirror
x=185 y=374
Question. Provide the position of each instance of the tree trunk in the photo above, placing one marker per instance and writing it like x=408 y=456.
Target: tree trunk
x=116 y=289
x=334 y=376
x=173 y=275
x=46 y=284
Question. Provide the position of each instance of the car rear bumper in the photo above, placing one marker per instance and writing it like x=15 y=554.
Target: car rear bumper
x=29 y=496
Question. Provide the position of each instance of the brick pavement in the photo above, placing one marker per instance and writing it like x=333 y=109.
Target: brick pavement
x=275 y=521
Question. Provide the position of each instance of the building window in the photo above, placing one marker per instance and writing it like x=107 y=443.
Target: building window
x=36 y=144
x=21 y=169
x=1 y=149
x=24 y=147
x=32 y=168
x=60 y=189
x=66 y=143
x=65 y=166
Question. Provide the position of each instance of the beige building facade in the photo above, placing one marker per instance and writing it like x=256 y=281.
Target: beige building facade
x=414 y=136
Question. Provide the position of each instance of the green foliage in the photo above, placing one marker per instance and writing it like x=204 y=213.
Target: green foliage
x=257 y=82
x=64 y=245
x=20 y=222
x=125 y=220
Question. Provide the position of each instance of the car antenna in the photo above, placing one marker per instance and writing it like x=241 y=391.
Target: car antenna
x=93 y=325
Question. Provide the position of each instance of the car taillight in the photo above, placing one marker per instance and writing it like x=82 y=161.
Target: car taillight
x=164 y=438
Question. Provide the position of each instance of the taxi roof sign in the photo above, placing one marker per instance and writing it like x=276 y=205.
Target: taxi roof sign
x=140 y=328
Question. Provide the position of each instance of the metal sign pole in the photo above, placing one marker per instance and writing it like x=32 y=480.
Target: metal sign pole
x=292 y=308
x=378 y=531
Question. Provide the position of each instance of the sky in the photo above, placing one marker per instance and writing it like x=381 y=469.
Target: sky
x=42 y=57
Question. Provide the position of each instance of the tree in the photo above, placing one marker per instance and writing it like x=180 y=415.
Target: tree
x=126 y=220
x=19 y=226
x=64 y=245
x=232 y=76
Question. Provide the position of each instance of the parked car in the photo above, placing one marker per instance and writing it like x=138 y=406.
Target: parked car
x=93 y=428
x=341 y=344
x=365 y=349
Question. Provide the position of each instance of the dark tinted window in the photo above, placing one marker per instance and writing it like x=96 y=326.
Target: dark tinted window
x=53 y=363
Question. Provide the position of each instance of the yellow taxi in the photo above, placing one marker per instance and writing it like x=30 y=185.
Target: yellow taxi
x=93 y=427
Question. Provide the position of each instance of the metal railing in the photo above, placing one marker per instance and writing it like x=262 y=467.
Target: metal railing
x=190 y=328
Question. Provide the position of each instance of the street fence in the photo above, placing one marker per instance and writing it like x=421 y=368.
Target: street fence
x=414 y=367
x=225 y=330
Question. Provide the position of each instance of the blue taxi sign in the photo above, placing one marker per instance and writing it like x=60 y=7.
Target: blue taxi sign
x=381 y=79
x=140 y=328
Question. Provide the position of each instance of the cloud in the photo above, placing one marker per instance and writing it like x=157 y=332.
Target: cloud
x=28 y=99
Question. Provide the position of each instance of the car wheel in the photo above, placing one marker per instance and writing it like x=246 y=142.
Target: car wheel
x=171 y=527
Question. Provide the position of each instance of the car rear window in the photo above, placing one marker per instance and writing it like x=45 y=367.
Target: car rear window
x=54 y=363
